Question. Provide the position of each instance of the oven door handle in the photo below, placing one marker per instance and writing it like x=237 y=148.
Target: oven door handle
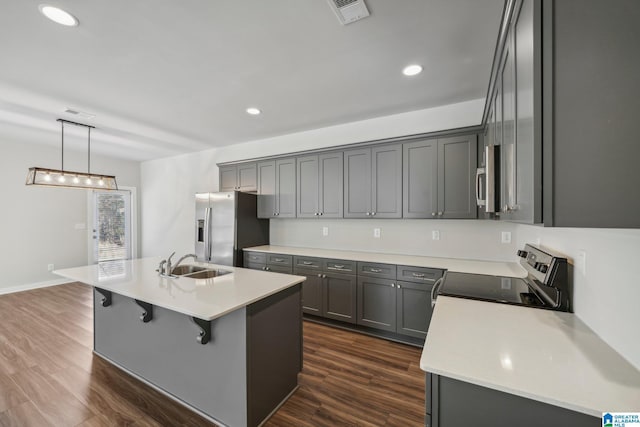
x=434 y=291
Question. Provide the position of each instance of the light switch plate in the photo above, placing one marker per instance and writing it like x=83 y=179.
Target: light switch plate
x=376 y=233
x=506 y=237
x=435 y=235
x=325 y=231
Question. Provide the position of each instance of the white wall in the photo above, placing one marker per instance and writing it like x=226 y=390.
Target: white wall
x=606 y=297
x=37 y=224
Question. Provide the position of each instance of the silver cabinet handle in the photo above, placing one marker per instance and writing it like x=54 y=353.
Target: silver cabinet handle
x=433 y=214
x=315 y=213
x=368 y=213
x=439 y=213
x=278 y=260
x=418 y=275
x=324 y=276
x=319 y=275
x=375 y=270
x=399 y=286
x=307 y=262
x=393 y=285
x=321 y=213
x=373 y=213
x=338 y=266
x=434 y=291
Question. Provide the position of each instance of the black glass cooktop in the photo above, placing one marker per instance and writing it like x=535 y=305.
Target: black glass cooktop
x=508 y=290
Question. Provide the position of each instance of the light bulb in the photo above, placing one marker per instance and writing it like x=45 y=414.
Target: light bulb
x=47 y=177
x=76 y=180
x=62 y=178
x=88 y=181
x=101 y=182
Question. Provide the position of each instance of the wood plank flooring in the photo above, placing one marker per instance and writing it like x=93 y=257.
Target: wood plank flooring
x=50 y=377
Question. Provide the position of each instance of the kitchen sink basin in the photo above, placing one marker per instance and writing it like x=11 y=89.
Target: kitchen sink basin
x=181 y=270
x=207 y=274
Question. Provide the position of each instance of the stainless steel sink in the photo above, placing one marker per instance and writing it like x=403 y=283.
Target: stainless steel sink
x=181 y=270
x=207 y=274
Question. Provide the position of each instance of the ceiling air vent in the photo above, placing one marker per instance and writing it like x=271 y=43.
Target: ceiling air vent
x=79 y=113
x=349 y=11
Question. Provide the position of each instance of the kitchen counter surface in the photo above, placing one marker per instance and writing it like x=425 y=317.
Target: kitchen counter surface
x=494 y=268
x=206 y=299
x=544 y=355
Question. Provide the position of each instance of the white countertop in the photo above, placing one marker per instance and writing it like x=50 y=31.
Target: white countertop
x=206 y=299
x=494 y=268
x=544 y=355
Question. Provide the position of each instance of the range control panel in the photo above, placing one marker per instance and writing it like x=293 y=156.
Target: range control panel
x=537 y=262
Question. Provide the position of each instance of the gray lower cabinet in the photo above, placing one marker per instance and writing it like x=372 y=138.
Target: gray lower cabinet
x=277 y=188
x=454 y=403
x=241 y=177
x=413 y=308
x=377 y=303
x=438 y=178
x=339 y=296
x=312 y=299
x=268 y=262
x=320 y=186
x=373 y=182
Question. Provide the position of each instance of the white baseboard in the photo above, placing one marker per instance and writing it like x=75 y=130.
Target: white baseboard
x=29 y=286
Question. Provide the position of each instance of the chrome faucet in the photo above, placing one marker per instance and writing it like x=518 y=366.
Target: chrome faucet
x=194 y=256
x=168 y=268
x=164 y=268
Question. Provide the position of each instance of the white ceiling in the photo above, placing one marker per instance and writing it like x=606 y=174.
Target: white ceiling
x=165 y=77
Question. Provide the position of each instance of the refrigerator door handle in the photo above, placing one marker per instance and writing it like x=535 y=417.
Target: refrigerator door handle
x=207 y=234
x=479 y=200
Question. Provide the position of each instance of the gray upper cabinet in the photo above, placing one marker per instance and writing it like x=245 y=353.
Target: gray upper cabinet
x=285 y=195
x=277 y=188
x=266 y=189
x=241 y=177
x=439 y=178
x=320 y=185
x=373 y=182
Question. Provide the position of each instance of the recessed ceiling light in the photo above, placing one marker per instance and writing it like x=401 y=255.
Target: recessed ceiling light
x=412 y=70
x=58 y=15
x=253 y=111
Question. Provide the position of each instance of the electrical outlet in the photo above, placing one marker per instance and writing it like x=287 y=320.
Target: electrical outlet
x=50 y=267
x=581 y=262
x=325 y=231
x=435 y=235
x=376 y=233
x=506 y=237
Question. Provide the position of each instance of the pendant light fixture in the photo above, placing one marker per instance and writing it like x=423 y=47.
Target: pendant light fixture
x=69 y=179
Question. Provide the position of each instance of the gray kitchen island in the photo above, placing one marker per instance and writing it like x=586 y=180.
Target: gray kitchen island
x=228 y=347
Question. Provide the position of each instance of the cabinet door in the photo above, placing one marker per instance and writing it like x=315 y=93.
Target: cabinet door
x=386 y=168
x=457 y=158
x=308 y=186
x=357 y=183
x=311 y=292
x=506 y=80
x=228 y=175
x=339 y=297
x=266 y=189
x=286 y=188
x=377 y=303
x=526 y=199
x=247 y=178
x=420 y=179
x=331 y=185
x=413 y=308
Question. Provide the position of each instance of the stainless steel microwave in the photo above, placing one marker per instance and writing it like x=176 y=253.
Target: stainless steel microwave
x=488 y=181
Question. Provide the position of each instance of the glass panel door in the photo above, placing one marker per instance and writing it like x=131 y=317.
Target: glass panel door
x=111 y=226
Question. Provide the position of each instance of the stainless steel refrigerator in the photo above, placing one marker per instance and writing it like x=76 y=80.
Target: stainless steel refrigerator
x=225 y=224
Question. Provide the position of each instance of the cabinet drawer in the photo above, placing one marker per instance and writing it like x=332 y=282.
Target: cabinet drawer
x=307 y=262
x=387 y=271
x=277 y=259
x=255 y=258
x=419 y=274
x=286 y=269
x=254 y=266
x=337 y=265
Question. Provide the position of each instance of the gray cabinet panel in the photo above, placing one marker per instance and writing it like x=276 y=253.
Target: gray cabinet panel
x=308 y=186
x=456 y=174
x=247 y=179
x=311 y=292
x=357 y=183
x=255 y=258
x=377 y=303
x=420 y=179
x=266 y=189
x=419 y=274
x=386 y=169
x=339 y=295
x=278 y=259
x=307 y=263
x=286 y=188
x=254 y=266
x=228 y=175
x=339 y=265
x=331 y=190
x=382 y=271
x=413 y=308
x=274 y=268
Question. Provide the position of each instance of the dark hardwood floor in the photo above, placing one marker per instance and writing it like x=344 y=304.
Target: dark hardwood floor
x=50 y=377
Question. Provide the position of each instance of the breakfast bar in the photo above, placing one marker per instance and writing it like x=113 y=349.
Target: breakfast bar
x=228 y=346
